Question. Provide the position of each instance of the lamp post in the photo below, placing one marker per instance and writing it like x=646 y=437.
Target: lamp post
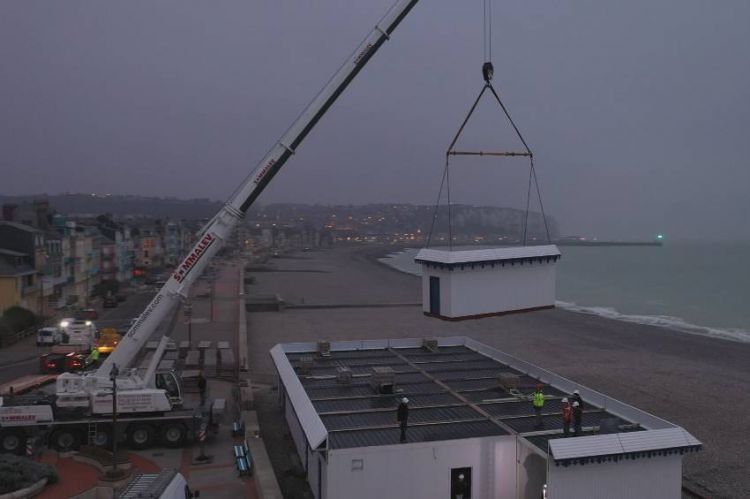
x=212 y=280
x=113 y=376
x=189 y=320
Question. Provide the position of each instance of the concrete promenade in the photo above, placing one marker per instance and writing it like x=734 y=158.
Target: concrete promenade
x=698 y=382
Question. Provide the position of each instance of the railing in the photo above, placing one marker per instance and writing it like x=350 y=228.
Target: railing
x=10 y=339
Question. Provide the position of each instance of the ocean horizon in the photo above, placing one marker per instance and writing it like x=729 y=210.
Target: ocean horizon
x=696 y=288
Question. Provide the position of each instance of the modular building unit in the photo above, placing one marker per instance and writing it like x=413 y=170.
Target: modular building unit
x=471 y=283
x=468 y=430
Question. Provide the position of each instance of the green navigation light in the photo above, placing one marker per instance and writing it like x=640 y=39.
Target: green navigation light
x=659 y=236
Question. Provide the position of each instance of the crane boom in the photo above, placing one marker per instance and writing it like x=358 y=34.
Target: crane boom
x=216 y=232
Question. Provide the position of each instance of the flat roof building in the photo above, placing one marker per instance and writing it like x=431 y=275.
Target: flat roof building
x=470 y=416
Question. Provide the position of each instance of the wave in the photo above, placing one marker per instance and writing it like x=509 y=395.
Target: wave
x=666 y=321
x=404 y=261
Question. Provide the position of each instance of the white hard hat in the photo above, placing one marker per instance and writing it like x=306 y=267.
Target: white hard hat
x=576 y=404
x=576 y=392
x=405 y=400
x=565 y=400
x=461 y=476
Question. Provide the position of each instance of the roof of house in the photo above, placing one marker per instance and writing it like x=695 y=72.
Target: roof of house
x=10 y=269
x=464 y=256
x=454 y=392
x=19 y=226
x=8 y=252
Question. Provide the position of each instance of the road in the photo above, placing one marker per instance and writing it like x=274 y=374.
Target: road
x=22 y=358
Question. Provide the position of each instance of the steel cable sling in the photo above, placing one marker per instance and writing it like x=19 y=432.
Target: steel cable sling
x=487 y=74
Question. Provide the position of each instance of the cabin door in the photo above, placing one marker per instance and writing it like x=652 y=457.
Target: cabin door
x=434 y=295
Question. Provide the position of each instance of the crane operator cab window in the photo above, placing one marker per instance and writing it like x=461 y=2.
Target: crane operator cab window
x=167 y=381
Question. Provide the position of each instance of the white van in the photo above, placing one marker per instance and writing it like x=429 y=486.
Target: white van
x=47 y=336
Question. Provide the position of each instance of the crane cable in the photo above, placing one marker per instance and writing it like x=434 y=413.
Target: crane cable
x=487 y=74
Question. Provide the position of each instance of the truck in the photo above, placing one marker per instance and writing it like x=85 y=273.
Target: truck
x=77 y=338
x=150 y=403
x=108 y=340
x=79 y=332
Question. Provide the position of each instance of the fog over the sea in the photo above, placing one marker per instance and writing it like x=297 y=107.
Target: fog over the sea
x=638 y=112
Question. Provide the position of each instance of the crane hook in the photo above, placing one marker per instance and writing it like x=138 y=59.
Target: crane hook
x=487 y=71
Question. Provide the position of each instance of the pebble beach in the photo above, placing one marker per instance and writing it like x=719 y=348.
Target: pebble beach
x=698 y=382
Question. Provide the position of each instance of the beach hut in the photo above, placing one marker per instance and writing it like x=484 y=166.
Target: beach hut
x=467 y=283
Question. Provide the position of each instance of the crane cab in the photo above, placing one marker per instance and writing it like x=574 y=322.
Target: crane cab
x=171 y=384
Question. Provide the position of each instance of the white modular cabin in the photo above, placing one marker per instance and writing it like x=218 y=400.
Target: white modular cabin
x=466 y=283
x=468 y=415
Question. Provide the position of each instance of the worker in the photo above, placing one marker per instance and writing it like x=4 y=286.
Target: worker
x=577 y=398
x=202 y=387
x=577 y=419
x=461 y=488
x=567 y=416
x=402 y=415
x=94 y=356
x=538 y=401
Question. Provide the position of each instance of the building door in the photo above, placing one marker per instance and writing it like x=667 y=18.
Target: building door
x=461 y=483
x=434 y=295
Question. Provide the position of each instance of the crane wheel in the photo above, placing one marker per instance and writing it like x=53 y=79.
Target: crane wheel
x=173 y=434
x=140 y=436
x=12 y=442
x=103 y=438
x=65 y=440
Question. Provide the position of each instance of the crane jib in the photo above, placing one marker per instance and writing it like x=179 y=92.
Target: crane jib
x=187 y=265
x=145 y=315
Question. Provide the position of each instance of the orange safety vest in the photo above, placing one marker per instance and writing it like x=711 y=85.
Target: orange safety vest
x=567 y=413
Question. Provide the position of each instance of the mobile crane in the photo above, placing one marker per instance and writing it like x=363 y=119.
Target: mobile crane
x=153 y=394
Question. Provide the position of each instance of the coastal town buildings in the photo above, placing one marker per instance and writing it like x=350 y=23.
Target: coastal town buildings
x=49 y=261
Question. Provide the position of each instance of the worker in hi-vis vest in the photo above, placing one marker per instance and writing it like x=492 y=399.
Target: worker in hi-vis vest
x=538 y=402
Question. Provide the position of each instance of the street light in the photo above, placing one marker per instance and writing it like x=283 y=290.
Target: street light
x=113 y=377
x=189 y=319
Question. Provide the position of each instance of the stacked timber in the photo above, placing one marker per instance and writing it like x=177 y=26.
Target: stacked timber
x=210 y=362
x=202 y=347
x=227 y=364
x=183 y=349
x=190 y=380
x=193 y=360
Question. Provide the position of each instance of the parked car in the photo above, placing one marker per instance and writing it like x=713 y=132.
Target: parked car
x=110 y=302
x=47 y=336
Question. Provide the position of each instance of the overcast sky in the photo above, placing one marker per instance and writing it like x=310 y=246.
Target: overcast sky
x=638 y=112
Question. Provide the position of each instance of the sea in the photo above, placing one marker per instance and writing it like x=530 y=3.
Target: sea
x=697 y=288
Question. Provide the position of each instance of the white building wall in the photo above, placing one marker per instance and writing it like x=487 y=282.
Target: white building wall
x=490 y=290
x=518 y=287
x=646 y=478
x=298 y=436
x=423 y=471
x=531 y=471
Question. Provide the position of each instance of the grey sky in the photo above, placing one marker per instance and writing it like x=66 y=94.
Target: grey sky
x=638 y=111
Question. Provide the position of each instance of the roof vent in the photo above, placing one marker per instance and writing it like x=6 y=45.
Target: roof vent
x=324 y=348
x=609 y=425
x=383 y=379
x=306 y=364
x=430 y=344
x=509 y=381
x=343 y=375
